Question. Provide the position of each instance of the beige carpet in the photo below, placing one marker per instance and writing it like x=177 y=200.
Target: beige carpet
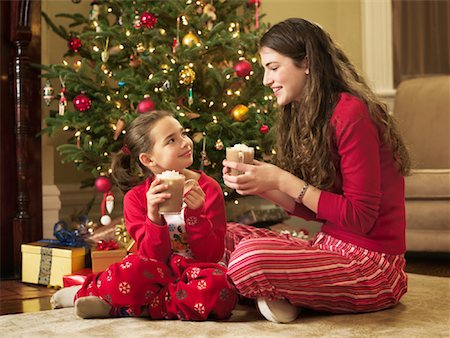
x=423 y=312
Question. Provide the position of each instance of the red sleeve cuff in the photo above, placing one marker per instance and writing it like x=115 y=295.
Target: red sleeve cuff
x=193 y=212
x=325 y=209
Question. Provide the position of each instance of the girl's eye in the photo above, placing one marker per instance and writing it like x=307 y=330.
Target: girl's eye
x=170 y=141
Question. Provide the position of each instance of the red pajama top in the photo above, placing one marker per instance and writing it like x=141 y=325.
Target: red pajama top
x=205 y=227
x=366 y=206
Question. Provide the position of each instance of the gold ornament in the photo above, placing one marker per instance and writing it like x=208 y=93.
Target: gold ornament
x=187 y=75
x=190 y=39
x=219 y=144
x=239 y=113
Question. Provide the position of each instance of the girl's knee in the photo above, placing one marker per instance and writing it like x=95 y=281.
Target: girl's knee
x=250 y=249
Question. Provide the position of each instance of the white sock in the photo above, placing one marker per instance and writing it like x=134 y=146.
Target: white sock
x=92 y=307
x=64 y=297
x=278 y=310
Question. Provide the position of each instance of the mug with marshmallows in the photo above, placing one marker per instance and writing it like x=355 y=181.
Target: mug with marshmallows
x=240 y=153
x=178 y=186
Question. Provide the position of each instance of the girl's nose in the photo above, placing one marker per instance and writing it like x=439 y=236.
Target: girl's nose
x=185 y=143
x=267 y=81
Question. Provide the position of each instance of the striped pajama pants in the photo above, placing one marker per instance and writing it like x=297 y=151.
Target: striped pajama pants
x=322 y=274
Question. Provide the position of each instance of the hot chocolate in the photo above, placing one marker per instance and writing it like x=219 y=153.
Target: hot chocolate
x=240 y=153
x=175 y=181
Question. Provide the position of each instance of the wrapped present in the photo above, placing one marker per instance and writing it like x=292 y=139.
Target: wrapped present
x=47 y=262
x=106 y=253
x=76 y=278
x=263 y=217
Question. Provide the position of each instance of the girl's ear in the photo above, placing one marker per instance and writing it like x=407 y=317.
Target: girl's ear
x=145 y=159
x=306 y=65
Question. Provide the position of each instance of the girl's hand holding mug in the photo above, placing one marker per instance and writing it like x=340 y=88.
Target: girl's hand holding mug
x=256 y=179
x=194 y=196
x=155 y=196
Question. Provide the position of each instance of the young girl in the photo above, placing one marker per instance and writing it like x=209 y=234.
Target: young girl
x=341 y=162
x=174 y=273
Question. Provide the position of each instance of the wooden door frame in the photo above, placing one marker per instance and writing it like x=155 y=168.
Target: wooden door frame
x=20 y=114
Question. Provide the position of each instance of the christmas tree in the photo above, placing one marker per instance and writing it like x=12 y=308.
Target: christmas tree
x=198 y=59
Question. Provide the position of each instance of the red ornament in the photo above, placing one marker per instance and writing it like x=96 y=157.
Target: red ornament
x=264 y=129
x=74 y=44
x=103 y=184
x=146 y=105
x=253 y=3
x=243 y=68
x=82 y=102
x=148 y=20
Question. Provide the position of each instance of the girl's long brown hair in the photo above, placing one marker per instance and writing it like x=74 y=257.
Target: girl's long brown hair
x=126 y=168
x=304 y=128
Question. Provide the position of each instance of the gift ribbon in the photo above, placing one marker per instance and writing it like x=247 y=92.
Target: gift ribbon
x=121 y=235
x=66 y=237
x=45 y=266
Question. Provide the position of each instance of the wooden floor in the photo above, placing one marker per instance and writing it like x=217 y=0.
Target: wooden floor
x=18 y=297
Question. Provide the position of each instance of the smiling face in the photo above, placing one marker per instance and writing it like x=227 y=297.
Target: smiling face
x=286 y=79
x=172 y=149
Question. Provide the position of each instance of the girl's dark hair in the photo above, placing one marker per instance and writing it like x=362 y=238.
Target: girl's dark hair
x=127 y=169
x=304 y=128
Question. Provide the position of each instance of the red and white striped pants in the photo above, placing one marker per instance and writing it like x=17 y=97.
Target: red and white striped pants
x=323 y=274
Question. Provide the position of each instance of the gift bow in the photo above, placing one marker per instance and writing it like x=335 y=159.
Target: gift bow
x=121 y=235
x=107 y=245
x=67 y=237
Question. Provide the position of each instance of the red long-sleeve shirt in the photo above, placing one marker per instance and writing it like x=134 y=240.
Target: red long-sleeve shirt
x=205 y=227
x=366 y=207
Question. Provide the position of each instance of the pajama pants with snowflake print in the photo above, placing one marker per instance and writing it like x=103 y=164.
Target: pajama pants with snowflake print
x=183 y=289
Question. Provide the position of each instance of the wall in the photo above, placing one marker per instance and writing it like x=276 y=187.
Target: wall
x=340 y=18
